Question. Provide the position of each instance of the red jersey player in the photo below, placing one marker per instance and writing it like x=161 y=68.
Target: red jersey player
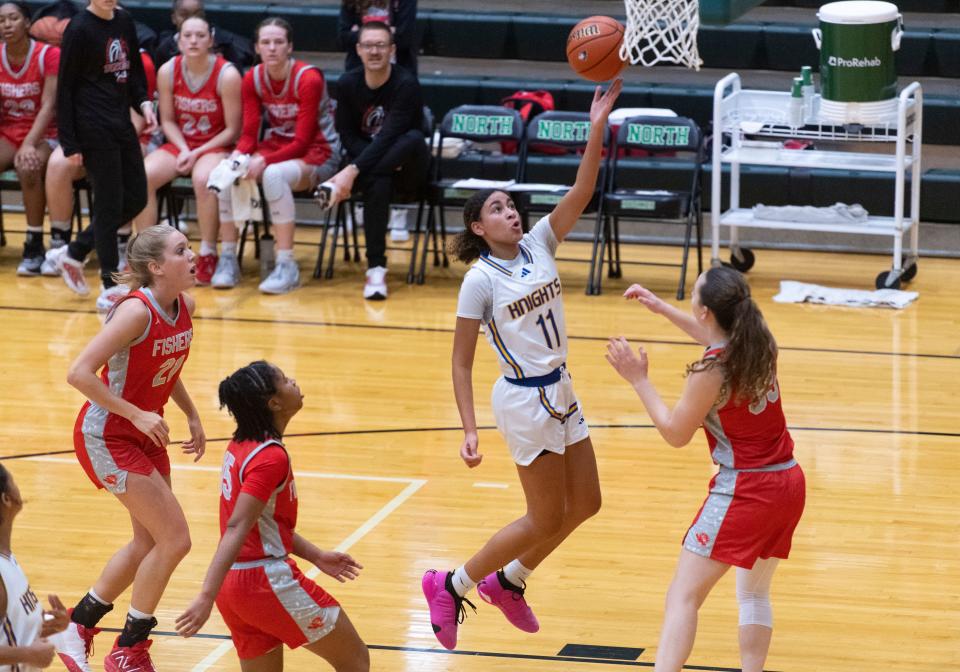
x=299 y=149
x=263 y=597
x=28 y=91
x=756 y=498
x=200 y=113
x=121 y=436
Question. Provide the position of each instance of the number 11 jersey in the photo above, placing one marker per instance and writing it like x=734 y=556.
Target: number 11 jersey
x=520 y=303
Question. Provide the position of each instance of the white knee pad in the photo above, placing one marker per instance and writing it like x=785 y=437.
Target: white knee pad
x=753 y=593
x=277 y=180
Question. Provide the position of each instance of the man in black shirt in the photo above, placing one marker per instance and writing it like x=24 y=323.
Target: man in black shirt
x=101 y=76
x=379 y=118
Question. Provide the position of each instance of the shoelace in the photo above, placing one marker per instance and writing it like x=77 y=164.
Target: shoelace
x=461 y=612
x=517 y=591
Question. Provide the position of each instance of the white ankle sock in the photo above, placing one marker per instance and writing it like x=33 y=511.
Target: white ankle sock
x=228 y=249
x=516 y=573
x=207 y=249
x=92 y=593
x=462 y=583
x=139 y=615
x=284 y=255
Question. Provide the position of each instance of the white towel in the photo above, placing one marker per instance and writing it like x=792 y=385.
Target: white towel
x=838 y=213
x=800 y=292
x=244 y=194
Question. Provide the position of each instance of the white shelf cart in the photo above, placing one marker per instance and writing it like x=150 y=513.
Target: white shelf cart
x=741 y=115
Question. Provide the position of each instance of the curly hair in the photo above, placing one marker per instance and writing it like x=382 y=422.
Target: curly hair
x=467 y=246
x=245 y=393
x=749 y=359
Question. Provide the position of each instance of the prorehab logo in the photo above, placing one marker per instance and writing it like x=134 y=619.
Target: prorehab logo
x=837 y=62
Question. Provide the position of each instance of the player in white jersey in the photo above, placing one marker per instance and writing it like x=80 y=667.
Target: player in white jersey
x=24 y=625
x=514 y=291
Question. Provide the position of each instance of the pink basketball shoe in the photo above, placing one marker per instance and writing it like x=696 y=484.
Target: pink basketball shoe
x=508 y=598
x=446 y=607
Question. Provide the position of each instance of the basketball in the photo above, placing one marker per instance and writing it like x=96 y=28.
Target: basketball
x=593 y=48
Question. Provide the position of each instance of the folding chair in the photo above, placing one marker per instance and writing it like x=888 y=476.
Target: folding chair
x=543 y=165
x=398 y=197
x=473 y=123
x=674 y=195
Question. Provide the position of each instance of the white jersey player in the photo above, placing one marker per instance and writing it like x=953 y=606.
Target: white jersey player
x=23 y=622
x=513 y=291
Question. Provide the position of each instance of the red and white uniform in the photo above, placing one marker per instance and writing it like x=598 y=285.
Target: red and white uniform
x=21 y=91
x=756 y=499
x=198 y=111
x=265 y=600
x=299 y=116
x=143 y=373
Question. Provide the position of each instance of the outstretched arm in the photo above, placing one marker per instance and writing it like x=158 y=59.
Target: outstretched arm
x=571 y=206
x=685 y=321
x=677 y=425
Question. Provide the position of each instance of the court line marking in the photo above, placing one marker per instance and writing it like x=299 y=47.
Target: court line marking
x=445 y=330
x=483 y=484
x=413 y=485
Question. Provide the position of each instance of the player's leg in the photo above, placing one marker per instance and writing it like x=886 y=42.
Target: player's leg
x=280 y=180
x=58 y=185
x=543 y=482
x=160 y=167
x=207 y=215
x=227 y=273
x=756 y=613
x=695 y=577
x=342 y=647
x=272 y=661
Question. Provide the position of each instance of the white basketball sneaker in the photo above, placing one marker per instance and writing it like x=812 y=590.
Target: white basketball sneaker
x=375 y=288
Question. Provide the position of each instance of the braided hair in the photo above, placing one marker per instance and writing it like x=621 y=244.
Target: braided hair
x=245 y=393
x=467 y=246
x=749 y=359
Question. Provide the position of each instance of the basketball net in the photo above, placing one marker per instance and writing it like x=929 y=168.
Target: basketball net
x=662 y=31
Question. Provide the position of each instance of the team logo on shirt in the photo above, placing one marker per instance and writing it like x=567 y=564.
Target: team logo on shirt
x=373 y=120
x=117 y=59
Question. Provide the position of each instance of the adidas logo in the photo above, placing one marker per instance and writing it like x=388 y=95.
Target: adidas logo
x=524 y=272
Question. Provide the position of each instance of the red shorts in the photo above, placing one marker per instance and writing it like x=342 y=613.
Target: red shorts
x=270 y=602
x=318 y=155
x=171 y=148
x=15 y=134
x=108 y=456
x=748 y=515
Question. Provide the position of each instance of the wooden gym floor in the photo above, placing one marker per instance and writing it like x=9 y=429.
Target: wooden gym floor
x=870 y=395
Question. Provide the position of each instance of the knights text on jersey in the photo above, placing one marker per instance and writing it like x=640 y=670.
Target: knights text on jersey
x=24 y=616
x=526 y=325
x=272 y=536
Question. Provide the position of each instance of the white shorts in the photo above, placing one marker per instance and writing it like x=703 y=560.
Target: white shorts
x=535 y=419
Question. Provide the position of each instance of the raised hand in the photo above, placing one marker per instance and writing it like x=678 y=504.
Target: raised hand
x=646 y=298
x=631 y=366
x=602 y=104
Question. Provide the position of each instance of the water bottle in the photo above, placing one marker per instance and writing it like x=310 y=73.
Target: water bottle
x=795 y=113
x=267 y=258
x=806 y=74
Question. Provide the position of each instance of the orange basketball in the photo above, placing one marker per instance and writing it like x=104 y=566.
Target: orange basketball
x=593 y=48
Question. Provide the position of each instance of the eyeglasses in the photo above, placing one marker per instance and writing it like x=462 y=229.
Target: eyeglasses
x=374 y=46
